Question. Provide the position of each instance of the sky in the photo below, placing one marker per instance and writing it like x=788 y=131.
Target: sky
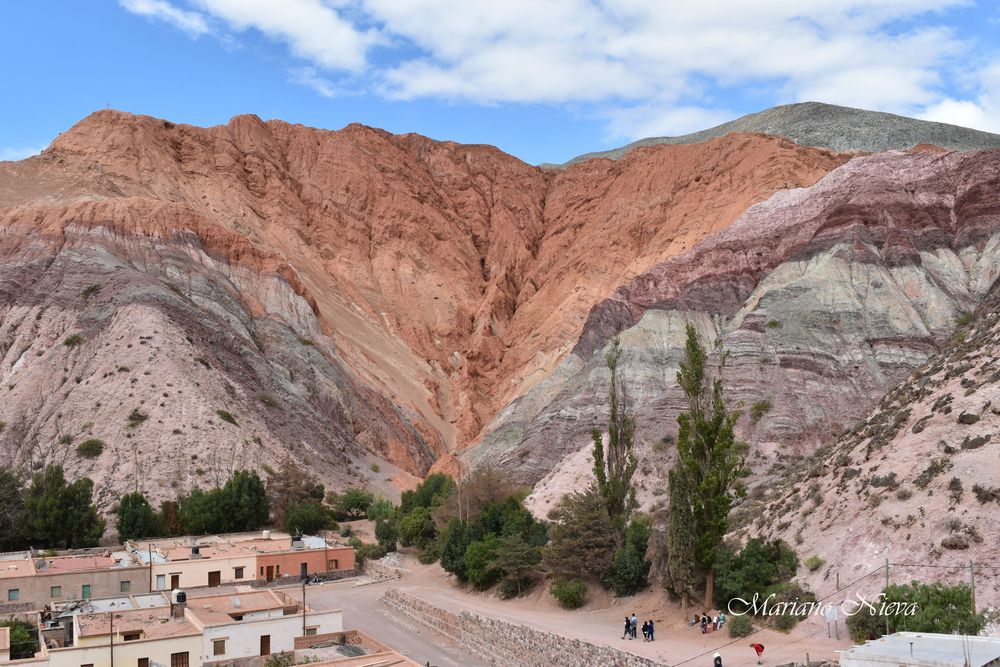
x=544 y=80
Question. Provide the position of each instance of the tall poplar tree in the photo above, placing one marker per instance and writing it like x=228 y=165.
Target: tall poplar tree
x=707 y=476
x=614 y=467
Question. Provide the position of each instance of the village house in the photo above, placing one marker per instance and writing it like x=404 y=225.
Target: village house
x=182 y=631
x=29 y=580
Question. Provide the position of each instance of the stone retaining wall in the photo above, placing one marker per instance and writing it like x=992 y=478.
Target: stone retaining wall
x=508 y=644
x=380 y=571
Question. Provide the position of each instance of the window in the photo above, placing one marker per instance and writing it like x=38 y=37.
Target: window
x=85 y=591
x=55 y=592
x=218 y=647
x=132 y=636
x=311 y=631
x=262 y=570
x=88 y=664
x=237 y=573
x=125 y=587
x=161 y=582
x=143 y=662
x=178 y=660
x=277 y=570
x=332 y=564
x=13 y=594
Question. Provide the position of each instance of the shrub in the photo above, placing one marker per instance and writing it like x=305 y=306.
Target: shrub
x=136 y=417
x=571 y=593
x=376 y=468
x=785 y=622
x=90 y=291
x=963 y=318
x=936 y=608
x=73 y=341
x=757 y=568
x=739 y=626
x=305 y=518
x=773 y=324
x=90 y=449
x=416 y=529
x=479 y=563
x=385 y=533
x=630 y=567
x=814 y=563
x=226 y=417
x=758 y=410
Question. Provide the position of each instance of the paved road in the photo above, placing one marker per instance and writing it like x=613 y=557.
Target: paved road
x=363 y=611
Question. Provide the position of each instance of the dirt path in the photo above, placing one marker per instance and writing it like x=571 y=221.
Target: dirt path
x=600 y=622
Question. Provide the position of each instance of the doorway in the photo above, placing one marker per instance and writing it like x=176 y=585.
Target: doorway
x=214 y=578
x=175 y=582
x=265 y=644
x=270 y=573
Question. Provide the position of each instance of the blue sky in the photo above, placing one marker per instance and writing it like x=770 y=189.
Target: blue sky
x=542 y=79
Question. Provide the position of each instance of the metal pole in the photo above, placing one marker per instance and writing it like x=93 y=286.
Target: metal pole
x=303 y=607
x=150 y=567
x=972 y=582
x=887 y=586
x=111 y=621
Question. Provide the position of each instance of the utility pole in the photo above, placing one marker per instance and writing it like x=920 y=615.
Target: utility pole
x=150 y=567
x=111 y=623
x=887 y=586
x=303 y=608
x=972 y=584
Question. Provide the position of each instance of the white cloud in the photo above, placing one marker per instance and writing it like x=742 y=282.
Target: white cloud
x=308 y=76
x=981 y=112
x=9 y=153
x=643 y=66
x=313 y=30
x=190 y=22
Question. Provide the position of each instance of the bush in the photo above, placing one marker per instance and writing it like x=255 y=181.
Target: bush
x=73 y=341
x=353 y=503
x=936 y=608
x=814 y=563
x=571 y=593
x=226 y=417
x=773 y=324
x=739 y=626
x=363 y=551
x=385 y=533
x=758 y=410
x=964 y=318
x=90 y=449
x=785 y=622
x=757 y=568
x=416 y=529
x=479 y=563
x=135 y=418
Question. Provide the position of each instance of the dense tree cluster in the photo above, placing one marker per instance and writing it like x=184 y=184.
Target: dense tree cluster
x=49 y=513
x=935 y=608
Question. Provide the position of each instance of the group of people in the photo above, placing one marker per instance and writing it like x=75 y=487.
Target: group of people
x=709 y=623
x=631 y=626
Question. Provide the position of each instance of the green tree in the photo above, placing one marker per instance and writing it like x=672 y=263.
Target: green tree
x=515 y=560
x=417 y=529
x=630 y=567
x=23 y=638
x=386 y=533
x=710 y=461
x=758 y=568
x=352 y=504
x=429 y=493
x=305 y=518
x=244 y=502
x=454 y=541
x=11 y=511
x=480 y=563
x=680 y=575
x=615 y=466
x=202 y=512
x=170 y=518
x=290 y=485
x=917 y=607
x=581 y=543
x=60 y=514
x=136 y=518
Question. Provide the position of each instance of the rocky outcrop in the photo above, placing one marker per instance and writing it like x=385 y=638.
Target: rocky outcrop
x=434 y=282
x=915 y=483
x=830 y=126
x=823 y=297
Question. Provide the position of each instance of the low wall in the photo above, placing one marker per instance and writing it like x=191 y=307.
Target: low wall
x=380 y=571
x=508 y=644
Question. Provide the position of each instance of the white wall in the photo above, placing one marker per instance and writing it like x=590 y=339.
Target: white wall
x=243 y=637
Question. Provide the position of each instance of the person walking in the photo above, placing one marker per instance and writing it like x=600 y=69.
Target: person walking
x=645 y=631
x=628 y=628
x=716 y=660
x=759 y=648
x=635 y=624
x=650 y=629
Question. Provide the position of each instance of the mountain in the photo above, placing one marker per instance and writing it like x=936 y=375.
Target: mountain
x=841 y=129
x=823 y=298
x=201 y=299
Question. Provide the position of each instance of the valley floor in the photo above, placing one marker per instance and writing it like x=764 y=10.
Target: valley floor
x=599 y=622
